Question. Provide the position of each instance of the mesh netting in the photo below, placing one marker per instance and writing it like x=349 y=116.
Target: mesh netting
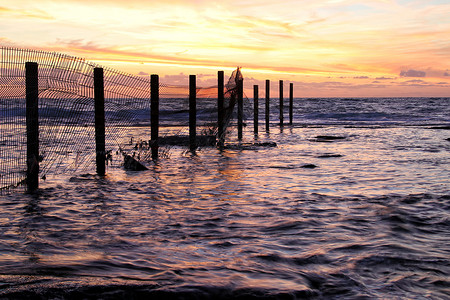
x=66 y=115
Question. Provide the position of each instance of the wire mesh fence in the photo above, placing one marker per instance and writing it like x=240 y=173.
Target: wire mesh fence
x=66 y=114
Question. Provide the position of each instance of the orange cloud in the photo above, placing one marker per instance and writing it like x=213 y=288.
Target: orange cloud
x=98 y=53
x=308 y=39
x=25 y=13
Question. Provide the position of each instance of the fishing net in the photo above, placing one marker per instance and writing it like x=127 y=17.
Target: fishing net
x=66 y=115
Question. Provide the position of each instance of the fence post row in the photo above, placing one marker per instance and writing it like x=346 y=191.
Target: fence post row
x=240 y=100
x=99 y=99
x=32 y=116
x=32 y=123
x=192 y=112
x=220 y=108
x=255 y=109
x=267 y=105
x=154 y=107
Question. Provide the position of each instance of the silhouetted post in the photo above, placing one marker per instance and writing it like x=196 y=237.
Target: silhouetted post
x=32 y=122
x=291 y=102
x=267 y=105
x=240 y=99
x=281 y=103
x=192 y=112
x=99 y=98
x=154 y=107
x=220 y=108
x=255 y=109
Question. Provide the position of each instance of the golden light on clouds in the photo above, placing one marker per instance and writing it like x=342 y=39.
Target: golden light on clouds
x=328 y=47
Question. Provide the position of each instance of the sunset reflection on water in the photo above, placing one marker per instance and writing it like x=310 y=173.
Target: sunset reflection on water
x=360 y=223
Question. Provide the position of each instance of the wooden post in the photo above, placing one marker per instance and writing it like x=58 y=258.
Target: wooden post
x=240 y=99
x=220 y=108
x=32 y=122
x=154 y=107
x=291 y=103
x=99 y=98
x=255 y=109
x=281 y=103
x=192 y=112
x=267 y=105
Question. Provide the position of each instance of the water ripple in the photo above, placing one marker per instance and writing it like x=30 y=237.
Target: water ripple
x=241 y=224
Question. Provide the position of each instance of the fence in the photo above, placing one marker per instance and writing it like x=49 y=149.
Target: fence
x=50 y=115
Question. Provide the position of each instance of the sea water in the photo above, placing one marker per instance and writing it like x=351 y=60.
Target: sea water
x=352 y=203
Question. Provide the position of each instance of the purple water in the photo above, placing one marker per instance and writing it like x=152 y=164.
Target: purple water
x=370 y=221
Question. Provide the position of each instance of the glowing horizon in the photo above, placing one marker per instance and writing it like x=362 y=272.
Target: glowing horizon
x=327 y=48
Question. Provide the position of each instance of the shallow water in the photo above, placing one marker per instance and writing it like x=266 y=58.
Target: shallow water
x=370 y=221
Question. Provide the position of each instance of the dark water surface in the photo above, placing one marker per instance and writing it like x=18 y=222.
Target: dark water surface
x=370 y=221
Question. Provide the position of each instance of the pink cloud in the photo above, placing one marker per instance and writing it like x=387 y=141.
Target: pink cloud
x=412 y=73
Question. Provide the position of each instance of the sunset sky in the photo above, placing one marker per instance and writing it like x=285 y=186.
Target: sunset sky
x=342 y=48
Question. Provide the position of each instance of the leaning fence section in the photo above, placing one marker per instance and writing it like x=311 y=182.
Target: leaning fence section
x=66 y=109
x=65 y=94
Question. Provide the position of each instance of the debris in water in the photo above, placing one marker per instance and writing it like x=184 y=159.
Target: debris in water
x=327 y=138
x=309 y=166
x=130 y=163
x=249 y=146
x=329 y=155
